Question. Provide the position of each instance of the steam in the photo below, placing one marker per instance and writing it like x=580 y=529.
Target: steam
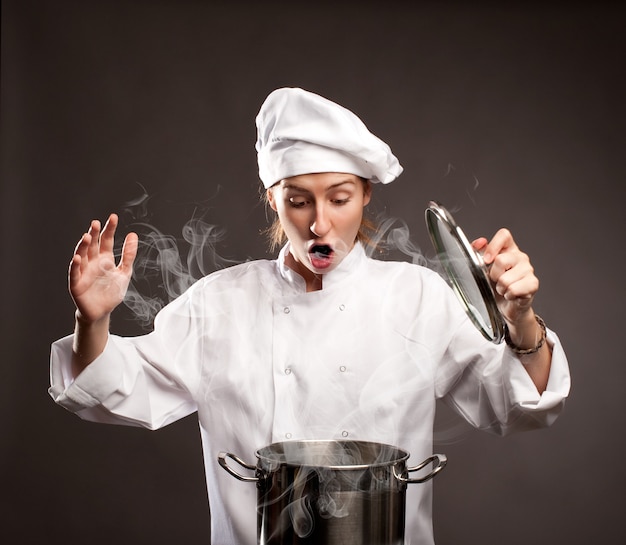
x=393 y=234
x=451 y=170
x=161 y=271
x=166 y=266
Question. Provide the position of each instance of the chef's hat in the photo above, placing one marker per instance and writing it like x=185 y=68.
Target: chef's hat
x=299 y=132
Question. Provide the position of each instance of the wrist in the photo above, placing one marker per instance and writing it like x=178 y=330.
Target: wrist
x=526 y=340
x=90 y=339
x=84 y=322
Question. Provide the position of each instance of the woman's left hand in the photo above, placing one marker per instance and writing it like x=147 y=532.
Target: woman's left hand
x=515 y=285
x=511 y=274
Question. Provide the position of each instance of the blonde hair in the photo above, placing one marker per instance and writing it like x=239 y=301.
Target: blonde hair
x=276 y=235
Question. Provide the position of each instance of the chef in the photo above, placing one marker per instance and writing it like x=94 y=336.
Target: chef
x=323 y=342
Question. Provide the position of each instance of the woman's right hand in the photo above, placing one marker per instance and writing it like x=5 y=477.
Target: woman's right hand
x=97 y=285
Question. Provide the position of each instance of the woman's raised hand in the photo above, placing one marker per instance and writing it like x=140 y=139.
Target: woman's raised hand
x=97 y=285
x=511 y=273
x=515 y=285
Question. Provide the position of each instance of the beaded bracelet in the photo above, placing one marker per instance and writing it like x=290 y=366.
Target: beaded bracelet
x=527 y=351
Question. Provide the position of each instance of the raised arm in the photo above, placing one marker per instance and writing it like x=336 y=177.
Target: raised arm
x=515 y=285
x=97 y=286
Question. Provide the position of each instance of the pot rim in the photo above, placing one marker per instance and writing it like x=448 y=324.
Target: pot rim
x=276 y=459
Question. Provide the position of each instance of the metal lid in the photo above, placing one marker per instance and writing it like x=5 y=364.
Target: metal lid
x=466 y=272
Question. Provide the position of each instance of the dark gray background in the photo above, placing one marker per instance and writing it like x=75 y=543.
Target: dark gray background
x=511 y=114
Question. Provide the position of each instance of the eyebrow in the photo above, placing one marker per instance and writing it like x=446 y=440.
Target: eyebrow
x=330 y=187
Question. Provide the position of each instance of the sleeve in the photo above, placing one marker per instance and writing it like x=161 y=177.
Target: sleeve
x=487 y=383
x=148 y=381
x=493 y=392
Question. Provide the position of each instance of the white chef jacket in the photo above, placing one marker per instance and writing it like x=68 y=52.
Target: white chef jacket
x=262 y=361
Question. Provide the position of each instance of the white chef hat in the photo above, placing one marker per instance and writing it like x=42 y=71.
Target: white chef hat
x=299 y=132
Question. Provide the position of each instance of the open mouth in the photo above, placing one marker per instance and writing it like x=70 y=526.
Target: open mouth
x=321 y=256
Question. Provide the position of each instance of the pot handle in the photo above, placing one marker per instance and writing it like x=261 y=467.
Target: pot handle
x=441 y=460
x=221 y=458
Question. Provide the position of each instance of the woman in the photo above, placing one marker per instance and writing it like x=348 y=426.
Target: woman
x=321 y=343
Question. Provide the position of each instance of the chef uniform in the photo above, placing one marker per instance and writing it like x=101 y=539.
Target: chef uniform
x=262 y=360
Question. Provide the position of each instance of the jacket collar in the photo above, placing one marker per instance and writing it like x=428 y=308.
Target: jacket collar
x=348 y=266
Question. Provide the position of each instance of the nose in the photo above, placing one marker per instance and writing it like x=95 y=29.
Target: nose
x=321 y=222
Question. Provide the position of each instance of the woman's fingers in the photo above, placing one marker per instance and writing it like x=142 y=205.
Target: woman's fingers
x=516 y=280
x=82 y=248
x=95 y=249
x=97 y=241
x=107 y=238
x=74 y=272
x=501 y=242
x=94 y=240
x=129 y=252
x=510 y=271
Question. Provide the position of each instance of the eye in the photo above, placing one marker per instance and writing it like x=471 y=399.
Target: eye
x=297 y=202
x=339 y=198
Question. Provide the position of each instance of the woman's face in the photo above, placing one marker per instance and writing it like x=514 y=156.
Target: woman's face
x=321 y=215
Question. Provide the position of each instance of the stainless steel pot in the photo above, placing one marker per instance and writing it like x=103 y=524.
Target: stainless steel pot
x=331 y=492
